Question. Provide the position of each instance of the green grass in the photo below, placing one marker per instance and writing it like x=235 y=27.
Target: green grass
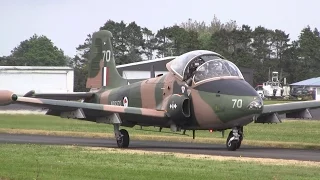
x=301 y=133
x=58 y=162
x=266 y=102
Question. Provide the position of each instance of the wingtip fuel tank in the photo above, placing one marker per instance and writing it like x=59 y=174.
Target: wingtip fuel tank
x=7 y=97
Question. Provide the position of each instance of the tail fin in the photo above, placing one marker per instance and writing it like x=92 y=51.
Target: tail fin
x=102 y=66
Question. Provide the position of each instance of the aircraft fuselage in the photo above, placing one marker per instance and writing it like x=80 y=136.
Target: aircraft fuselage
x=214 y=104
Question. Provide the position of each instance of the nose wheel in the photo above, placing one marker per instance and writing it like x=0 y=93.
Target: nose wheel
x=234 y=139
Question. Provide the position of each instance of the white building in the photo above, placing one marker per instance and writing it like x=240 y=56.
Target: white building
x=22 y=79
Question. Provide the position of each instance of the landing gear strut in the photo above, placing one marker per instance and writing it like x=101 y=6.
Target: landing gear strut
x=122 y=136
x=235 y=138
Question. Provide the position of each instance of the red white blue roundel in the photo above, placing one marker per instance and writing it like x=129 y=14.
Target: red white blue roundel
x=125 y=102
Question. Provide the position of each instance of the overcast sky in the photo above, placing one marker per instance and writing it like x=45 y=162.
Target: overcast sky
x=67 y=22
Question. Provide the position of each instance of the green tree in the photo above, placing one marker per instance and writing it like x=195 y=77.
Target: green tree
x=178 y=37
x=127 y=41
x=149 y=45
x=174 y=41
x=220 y=42
x=164 y=45
x=308 y=47
x=4 y=61
x=293 y=70
x=262 y=38
x=191 y=41
x=239 y=48
x=37 y=51
x=206 y=30
x=80 y=74
x=83 y=50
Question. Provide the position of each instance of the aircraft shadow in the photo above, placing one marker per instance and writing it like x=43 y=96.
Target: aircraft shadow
x=177 y=133
x=214 y=147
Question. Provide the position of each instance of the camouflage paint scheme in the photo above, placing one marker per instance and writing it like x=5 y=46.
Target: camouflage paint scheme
x=162 y=101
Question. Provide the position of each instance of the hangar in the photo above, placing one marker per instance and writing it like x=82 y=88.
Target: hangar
x=138 y=71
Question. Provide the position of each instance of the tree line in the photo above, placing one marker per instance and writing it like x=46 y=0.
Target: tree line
x=258 y=48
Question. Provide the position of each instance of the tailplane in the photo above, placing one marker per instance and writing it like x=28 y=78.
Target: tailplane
x=102 y=66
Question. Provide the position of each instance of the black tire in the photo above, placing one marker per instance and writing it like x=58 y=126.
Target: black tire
x=124 y=141
x=239 y=142
x=233 y=144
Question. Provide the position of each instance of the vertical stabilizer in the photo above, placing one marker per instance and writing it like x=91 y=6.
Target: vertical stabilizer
x=102 y=66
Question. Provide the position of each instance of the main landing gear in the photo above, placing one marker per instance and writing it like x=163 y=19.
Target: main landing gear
x=122 y=136
x=235 y=138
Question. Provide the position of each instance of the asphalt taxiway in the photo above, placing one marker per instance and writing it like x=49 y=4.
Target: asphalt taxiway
x=189 y=148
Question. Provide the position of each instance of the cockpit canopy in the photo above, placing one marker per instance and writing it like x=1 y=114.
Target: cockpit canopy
x=202 y=64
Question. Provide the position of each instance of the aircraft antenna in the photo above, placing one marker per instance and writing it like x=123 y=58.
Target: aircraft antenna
x=152 y=73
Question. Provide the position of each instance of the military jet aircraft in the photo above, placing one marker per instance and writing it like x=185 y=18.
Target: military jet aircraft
x=202 y=90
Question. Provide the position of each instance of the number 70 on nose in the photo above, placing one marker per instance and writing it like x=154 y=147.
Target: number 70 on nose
x=237 y=103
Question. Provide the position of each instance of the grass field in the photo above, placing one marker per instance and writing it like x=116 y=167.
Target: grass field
x=266 y=102
x=28 y=161
x=290 y=133
x=59 y=162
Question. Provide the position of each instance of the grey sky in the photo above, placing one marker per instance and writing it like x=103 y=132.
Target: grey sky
x=67 y=22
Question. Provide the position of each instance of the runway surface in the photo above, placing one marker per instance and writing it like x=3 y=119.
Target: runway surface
x=190 y=148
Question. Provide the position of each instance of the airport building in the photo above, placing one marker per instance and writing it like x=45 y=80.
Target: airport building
x=142 y=70
x=22 y=79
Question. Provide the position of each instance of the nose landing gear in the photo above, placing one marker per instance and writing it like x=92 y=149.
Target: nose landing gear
x=235 y=138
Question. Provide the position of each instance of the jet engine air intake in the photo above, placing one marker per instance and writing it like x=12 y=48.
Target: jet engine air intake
x=178 y=108
x=186 y=107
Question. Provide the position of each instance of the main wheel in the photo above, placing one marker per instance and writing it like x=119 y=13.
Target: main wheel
x=123 y=142
x=232 y=146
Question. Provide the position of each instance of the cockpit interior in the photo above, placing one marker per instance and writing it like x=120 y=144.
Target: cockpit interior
x=196 y=66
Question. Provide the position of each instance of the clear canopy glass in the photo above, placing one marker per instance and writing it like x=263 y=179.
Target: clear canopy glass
x=180 y=63
x=216 y=68
x=203 y=64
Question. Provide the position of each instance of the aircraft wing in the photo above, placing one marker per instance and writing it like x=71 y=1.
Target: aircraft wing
x=64 y=106
x=289 y=107
x=270 y=113
x=60 y=96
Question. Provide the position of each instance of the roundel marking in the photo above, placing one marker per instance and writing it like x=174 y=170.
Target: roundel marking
x=125 y=102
